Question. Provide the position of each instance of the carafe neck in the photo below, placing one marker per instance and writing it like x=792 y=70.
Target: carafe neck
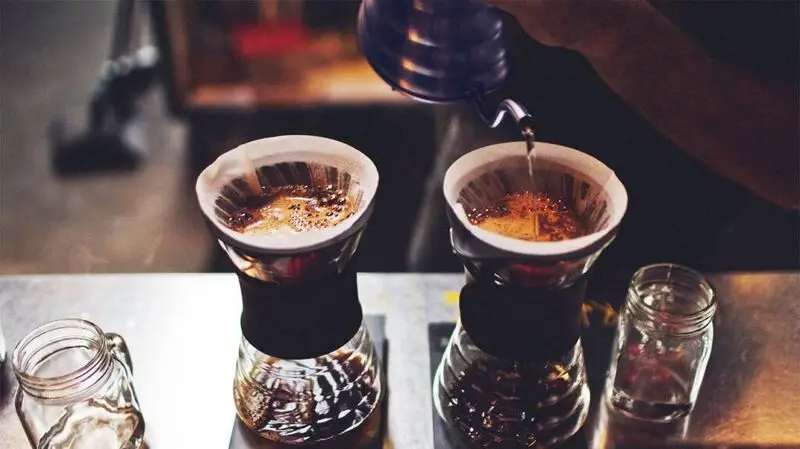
x=522 y=323
x=301 y=320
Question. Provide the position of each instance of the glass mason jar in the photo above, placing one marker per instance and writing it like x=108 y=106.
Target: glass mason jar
x=664 y=337
x=334 y=398
x=76 y=388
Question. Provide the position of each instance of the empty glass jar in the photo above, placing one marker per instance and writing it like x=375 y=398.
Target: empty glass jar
x=76 y=388
x=664 y=338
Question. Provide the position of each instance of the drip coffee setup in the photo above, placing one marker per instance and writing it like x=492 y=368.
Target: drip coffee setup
x=527 y=221
x=307 y=370
x=513 y=371
x=512 y=374
x=289 y=212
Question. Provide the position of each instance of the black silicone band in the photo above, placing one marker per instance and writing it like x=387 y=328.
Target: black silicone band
x=519 y=323
x=303 y=320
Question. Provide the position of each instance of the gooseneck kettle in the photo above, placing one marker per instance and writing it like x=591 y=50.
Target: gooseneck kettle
x=440 y=51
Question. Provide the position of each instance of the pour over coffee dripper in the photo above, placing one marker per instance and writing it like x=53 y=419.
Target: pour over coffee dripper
x=307 y=369
x=513 y=371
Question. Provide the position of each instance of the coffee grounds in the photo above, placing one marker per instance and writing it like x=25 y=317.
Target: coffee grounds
x=530 y=216
x=512 y=405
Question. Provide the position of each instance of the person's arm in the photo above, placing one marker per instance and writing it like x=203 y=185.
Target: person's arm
x=738 y=124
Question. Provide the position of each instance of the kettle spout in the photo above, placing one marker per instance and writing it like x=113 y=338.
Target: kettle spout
x=507 y=106
x=518 y=112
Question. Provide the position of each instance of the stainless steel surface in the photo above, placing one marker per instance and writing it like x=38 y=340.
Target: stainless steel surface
x=750 y=393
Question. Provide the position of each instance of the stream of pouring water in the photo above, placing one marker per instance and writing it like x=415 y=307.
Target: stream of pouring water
x=530 y=146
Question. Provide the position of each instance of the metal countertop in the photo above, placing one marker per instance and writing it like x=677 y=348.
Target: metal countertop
x=183 y=334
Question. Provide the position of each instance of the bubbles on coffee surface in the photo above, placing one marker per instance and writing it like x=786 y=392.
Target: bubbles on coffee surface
x=292 y=208
x=530 y=216
x=295 y=407
x=509 y=405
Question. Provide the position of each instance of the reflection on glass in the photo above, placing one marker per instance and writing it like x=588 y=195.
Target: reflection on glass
x=611 y=429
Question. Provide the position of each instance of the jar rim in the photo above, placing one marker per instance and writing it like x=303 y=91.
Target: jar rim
x=702 y=281
x=21 y=361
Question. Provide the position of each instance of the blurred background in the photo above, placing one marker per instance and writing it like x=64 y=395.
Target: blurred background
x=73 y=199
x=109 y=110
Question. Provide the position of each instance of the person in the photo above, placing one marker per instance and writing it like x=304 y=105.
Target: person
x=740 y=124
x=693 y=104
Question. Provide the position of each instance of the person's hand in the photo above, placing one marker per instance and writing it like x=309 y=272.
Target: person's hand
x=592 y=27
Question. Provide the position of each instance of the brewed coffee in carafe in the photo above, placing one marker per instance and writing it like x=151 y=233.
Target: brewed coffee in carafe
x=289 y=212
x=513 y=375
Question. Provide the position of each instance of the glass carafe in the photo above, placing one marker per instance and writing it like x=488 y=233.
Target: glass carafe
x=308 y=373
x=294 y=384
x=76 y=388
x=508 y=380
x=513 y=374
x=297 y=401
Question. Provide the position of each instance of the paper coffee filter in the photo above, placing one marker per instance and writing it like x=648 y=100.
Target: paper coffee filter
x=484 y=176
x=261 y=165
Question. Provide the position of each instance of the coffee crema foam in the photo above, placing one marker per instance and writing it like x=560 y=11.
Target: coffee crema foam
x=530 y=216
x=292 y=208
